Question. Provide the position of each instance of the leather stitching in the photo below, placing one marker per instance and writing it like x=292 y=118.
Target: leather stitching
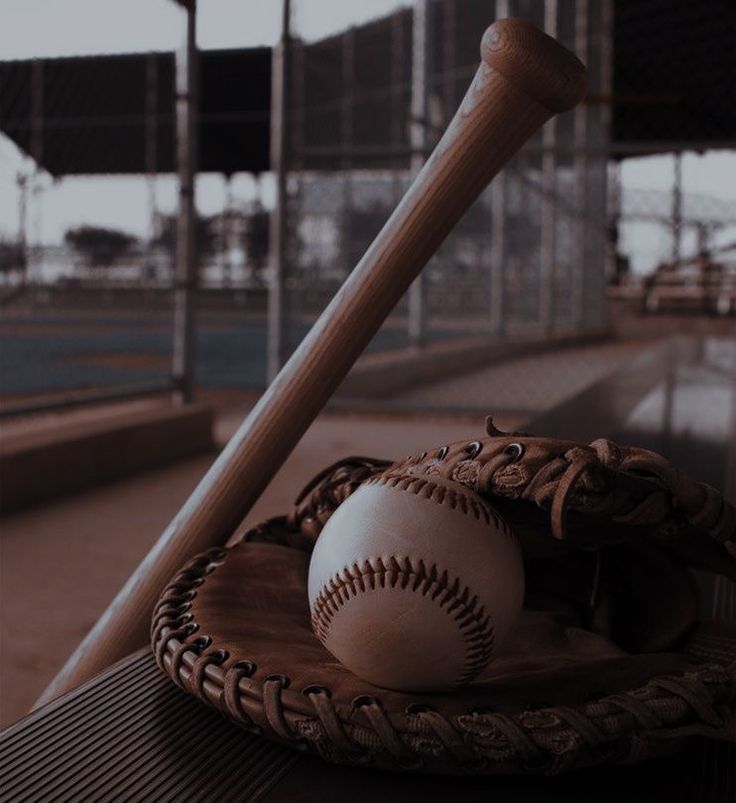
x=442 y=495
x=548 y=740
x=449 y=593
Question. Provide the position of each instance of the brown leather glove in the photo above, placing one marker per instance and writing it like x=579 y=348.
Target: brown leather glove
x=610 y=662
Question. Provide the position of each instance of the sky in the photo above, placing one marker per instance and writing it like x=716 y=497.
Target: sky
x=45 y=28
x=54 y=27
x=30 y=28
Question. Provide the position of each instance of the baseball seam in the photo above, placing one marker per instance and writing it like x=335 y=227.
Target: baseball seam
x=435 y=492
x=449 y=593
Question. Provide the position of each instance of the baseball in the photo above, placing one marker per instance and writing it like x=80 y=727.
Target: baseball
x=415 y=582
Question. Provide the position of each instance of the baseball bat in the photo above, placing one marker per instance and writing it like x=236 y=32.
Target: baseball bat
x=524 y=78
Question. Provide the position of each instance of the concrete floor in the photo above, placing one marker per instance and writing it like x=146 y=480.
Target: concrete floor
x=61 y=564
x=529 y=384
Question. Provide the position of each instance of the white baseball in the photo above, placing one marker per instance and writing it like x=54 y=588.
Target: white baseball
x=415 y=582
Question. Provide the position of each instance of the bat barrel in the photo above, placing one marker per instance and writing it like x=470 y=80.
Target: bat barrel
x=535 y=63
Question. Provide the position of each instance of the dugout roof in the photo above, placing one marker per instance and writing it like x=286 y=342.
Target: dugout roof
x=88 y=114
x=674 y=87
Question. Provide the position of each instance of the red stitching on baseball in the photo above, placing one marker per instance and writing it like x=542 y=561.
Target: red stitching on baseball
x=449 y=594
x=427 y=489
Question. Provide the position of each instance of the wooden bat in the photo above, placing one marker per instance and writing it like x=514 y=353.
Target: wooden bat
x=524 y=78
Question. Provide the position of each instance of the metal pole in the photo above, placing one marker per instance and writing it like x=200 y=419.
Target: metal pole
x=498 y=258
x=398 y=108
x=226 y=232
x=37 y=104
x=397 y=77
x=419 y=138
x=677 y=212
x=497 y=255
x=277 y=340
x=37 y=108
x=186 y=258
x=613 y=212
x=606 y=117
x=577 y=283
x=346 y=147
x=151 y=134
x=449 y=58
x=549 y=217
x=703 y=233
x=22 y=179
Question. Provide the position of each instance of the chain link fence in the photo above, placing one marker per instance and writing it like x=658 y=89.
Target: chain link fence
x=88 y=233
x=676 y=241
x=86 y=279
x=672 y=200
x=529 y=258
x=89 y=195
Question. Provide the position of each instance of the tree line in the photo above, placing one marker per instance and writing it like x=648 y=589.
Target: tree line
x=99 y=247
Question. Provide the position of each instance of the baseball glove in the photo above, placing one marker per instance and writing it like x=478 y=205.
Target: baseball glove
x=611 y=661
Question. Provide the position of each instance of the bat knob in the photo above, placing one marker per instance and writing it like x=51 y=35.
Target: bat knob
x=535 y=63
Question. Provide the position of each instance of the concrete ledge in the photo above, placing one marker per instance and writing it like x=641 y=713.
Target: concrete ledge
x=391 y=372
x=42 y=463
x=602 y=410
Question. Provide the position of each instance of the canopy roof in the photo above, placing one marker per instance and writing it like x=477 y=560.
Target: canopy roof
x=674 y=87
x=88 y=115
x=674 y=82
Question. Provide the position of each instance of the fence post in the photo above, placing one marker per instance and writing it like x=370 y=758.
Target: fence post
x=677 y=211
x=35 y=251
x=497 y=254
x=280 y=75
x=185 y=280
x=151 y=137
x=419 y=134
x=610 y=175
x=549 y=216
x=578 y=283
